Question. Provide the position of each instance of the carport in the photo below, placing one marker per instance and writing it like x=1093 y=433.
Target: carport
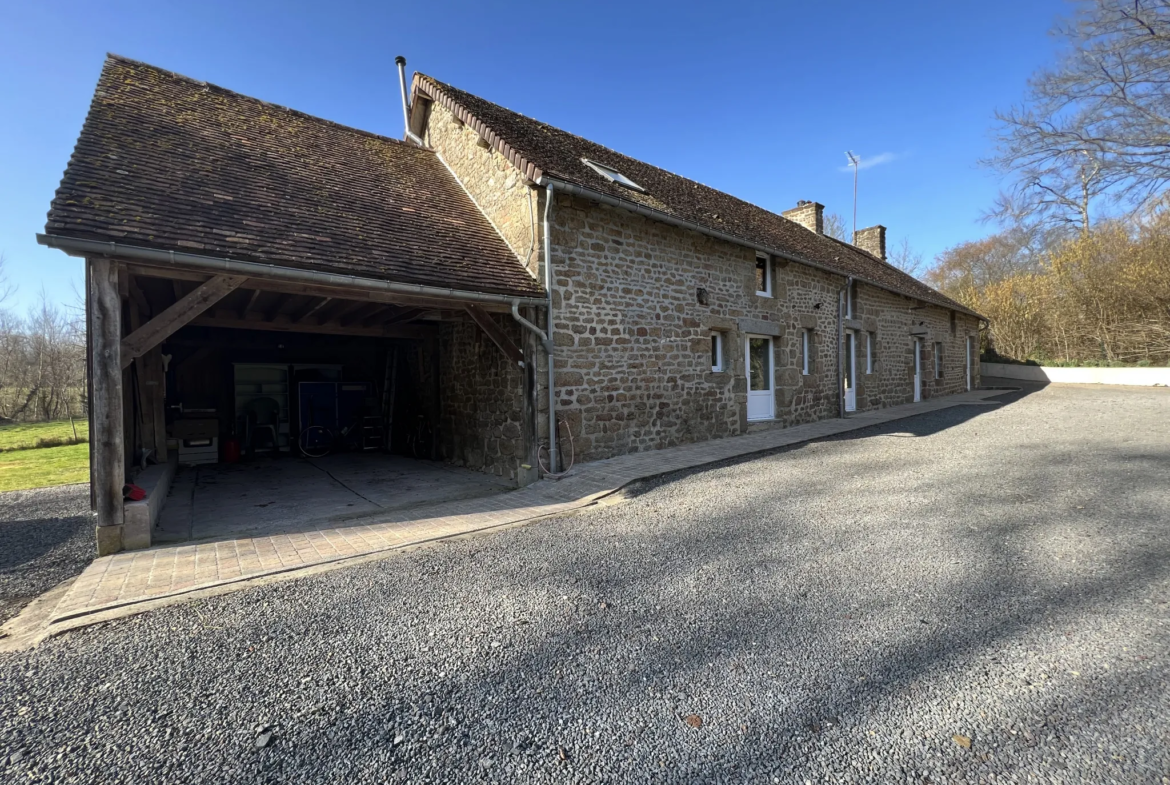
x=270 y=297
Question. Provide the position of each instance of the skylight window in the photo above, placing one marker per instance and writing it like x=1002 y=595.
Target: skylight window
x=613 y=175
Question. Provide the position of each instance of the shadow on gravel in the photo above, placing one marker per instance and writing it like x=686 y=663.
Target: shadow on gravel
x=919 y=426
x=998 y=601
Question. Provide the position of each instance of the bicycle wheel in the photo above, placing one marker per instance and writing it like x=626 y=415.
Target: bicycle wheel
x=316 y=441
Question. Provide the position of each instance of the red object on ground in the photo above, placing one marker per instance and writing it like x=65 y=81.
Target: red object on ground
x=231 y=450
x=133 y=492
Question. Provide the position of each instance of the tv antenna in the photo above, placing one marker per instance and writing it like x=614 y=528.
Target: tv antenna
x=854 y=161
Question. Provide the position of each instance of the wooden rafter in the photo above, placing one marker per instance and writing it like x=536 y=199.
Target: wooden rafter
x=336 y=292
x=276 y=308
x=312 y=308
x=394 y=316
x=497 y=335
x=180 y=313
x=398 y=331
x=249 y=302
x=360 y=314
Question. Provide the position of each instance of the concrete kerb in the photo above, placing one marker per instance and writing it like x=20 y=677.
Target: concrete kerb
x=36 y=622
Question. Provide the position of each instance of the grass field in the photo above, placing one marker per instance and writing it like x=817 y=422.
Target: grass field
x=24 y=465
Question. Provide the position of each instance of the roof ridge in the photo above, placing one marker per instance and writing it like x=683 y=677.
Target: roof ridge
x=448 y=96
x=228 y=91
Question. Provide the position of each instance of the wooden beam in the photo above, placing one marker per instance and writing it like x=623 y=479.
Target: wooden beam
x=336 y=292
x=312 y=309
x=343 y=307
x=276 y=308
x=285 y=326
x=187 y=308
x=360 y=314
x=105 y=313
x=249 y=303
x=394 y=316
x=497 y=335
x=139 y=298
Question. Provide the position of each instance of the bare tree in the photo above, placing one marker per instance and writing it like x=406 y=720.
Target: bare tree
x=7 y=288
x=836 y=227
x=1096 y=125
x=906 y=259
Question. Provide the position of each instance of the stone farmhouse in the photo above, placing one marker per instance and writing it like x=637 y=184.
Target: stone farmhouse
x=484 y=283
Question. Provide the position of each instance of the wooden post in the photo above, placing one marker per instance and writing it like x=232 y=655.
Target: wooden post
x=105 y=310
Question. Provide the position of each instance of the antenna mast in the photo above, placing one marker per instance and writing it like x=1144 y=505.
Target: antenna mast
x=854 y=161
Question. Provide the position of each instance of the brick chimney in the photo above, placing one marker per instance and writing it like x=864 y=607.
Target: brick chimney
x=872 y=239
x=810 y=215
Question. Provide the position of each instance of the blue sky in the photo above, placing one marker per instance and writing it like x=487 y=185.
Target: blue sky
x=760 y=100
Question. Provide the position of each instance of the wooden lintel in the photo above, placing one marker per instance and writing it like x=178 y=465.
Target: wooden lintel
x=284 y=325
x=180 y=313
x=335 y=292
x=493 y=331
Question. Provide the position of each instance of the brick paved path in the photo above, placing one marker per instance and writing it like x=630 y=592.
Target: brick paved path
x=125 y=580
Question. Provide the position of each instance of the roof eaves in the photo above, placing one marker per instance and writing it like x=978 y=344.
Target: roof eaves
x=436 y=93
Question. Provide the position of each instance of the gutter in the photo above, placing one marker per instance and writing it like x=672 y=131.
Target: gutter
x=220 y=266
x=682 y=223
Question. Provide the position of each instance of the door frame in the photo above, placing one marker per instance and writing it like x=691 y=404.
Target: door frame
x=969 y=379
x=770 y=375
x=850 y=374
x=917 y=369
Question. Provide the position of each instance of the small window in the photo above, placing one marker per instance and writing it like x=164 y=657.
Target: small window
x=870 y=345
x=763 y=275
x=806 y=344
x=716 y=352
x=938 y=361
x=953 y=322
x=613 y=175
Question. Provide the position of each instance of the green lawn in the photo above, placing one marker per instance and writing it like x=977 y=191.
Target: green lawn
x=24 y=465
x=24 y=435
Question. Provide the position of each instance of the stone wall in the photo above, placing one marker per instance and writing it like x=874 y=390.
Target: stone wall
x=494 y=184
x=482 y=400
x=633 y=367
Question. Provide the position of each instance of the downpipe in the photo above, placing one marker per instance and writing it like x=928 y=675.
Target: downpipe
x=553 y=462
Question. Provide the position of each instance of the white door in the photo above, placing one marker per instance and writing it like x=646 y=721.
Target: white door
x=850 y=371
x=968 y=362
x=917 y=369
x=761 y=397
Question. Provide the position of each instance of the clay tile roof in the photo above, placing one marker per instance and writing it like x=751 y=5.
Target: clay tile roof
x=538 y=149
x=171 y=163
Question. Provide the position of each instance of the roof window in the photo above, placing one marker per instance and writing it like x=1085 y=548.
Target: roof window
x=613 y=175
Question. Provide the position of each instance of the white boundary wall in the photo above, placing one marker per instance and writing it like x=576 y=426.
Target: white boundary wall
x=1139 y=377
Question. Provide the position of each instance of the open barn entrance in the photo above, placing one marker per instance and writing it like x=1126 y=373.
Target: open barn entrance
x=282 y=406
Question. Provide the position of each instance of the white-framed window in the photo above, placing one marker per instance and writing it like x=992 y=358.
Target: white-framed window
x=938 y=360
x=716 y=352
x=870 y=346
x=611 y=174
x=763 y=275
x=806 y=344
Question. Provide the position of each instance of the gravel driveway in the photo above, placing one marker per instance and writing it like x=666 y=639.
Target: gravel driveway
x=980 y=591
x=46 y=536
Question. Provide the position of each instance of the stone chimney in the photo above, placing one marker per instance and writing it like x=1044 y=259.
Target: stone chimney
x=810 y=215
x=872 y=240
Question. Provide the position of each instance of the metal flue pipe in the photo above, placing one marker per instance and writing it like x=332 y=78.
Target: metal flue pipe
x=400 y=61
